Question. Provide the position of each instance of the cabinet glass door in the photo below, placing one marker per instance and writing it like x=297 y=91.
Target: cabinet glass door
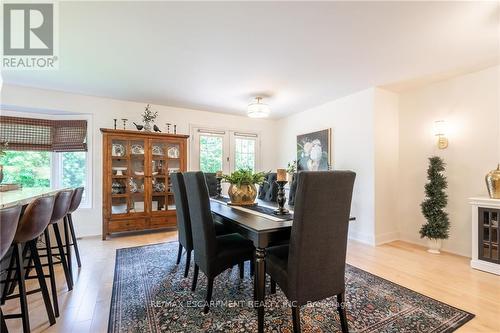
x=127 y=176
x=159 y=176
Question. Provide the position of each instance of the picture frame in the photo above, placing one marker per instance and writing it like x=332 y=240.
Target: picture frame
x=314 y=150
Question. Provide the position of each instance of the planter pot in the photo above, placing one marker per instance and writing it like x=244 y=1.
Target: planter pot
x=243 y=195
x=434 y=245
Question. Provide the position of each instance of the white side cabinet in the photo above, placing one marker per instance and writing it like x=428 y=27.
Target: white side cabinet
x=485 y=234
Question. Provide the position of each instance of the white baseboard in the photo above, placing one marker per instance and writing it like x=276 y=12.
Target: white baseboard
x=485 y=266
x=361 y=237
x=386 y=238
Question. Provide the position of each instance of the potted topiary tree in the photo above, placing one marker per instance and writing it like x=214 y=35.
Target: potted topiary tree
x=242 y=190
x=438 y=224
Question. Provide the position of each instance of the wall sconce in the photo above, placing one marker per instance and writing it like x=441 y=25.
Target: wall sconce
x=440 y=130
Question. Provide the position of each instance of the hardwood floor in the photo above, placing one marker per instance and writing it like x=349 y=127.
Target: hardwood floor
x=445 y=277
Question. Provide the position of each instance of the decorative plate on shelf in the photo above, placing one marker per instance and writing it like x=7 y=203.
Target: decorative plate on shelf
x=117 y=149
x=173 y=152
x=137 y=150
x=139 y=173
x=157 y=150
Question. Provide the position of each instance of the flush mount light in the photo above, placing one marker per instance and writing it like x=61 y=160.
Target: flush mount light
x=257 y=109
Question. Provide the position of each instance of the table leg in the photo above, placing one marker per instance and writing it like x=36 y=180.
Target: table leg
x=260 y=281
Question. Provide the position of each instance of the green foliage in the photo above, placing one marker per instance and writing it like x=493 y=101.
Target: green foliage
x=74 y=169
x=28 y=168
x=210 y=153
x=33 y=168
x=245 y=176
x=148 y=115
x=291 y=166
x=438 y=223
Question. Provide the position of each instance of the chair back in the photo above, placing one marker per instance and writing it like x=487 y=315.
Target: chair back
x=9 y=219
x=293 y=190
x=318 y=241
x=61 y=205
x=268 y=191
x=202 y=225
x=35 y=219
x=76 y=199
x=182 y=210
x=211 y=180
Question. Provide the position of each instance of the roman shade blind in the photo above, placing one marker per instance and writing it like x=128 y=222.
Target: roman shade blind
x=43 y=134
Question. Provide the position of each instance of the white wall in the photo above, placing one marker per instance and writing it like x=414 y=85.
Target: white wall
x=470 y=105
x=103 y=110
x=386 y=138
x=351 y=121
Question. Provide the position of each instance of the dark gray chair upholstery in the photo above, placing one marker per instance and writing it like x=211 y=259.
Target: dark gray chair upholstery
x=268 y=191
x=312 y=266
x=212 y=254
x=293 y=189
x=211 y=183
x=184 y=220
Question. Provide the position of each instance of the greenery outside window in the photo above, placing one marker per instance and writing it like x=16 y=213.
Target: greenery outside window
x=47 y=170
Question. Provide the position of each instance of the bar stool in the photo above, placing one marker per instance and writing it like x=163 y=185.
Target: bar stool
x=9 y=218
x=34 y=221
x=68 y=224
x=61 y=206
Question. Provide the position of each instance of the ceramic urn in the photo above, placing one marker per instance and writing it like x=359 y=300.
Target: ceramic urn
x=493 y=183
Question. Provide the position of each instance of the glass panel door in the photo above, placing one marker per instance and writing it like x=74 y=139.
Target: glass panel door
x=159 y=175
x=127 y=176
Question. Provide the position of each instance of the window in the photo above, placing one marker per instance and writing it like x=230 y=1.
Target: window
x=28 y=168
x=244 y=153
x=224 y=150
x=210 y=153
x=47 y=170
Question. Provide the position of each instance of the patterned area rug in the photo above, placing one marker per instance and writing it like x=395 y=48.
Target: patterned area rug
x=150 y=294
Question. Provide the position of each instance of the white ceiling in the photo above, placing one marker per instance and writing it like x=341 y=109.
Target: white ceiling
x=216 y=56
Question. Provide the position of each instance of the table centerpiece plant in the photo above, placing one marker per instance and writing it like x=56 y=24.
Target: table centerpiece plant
x=242 y=190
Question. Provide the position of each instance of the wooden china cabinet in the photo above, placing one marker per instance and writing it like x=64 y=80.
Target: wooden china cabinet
x=137 y=191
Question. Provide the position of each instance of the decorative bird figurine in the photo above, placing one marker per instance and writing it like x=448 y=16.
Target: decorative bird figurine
x=139 y=127
x=156 y=128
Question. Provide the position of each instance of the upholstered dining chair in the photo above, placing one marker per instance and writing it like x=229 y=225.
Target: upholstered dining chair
x=184 y=220
x=9 y=218
x=33 y=222
x=312 y=266
x=212 y=254
x=211 y=180
x=268 y=191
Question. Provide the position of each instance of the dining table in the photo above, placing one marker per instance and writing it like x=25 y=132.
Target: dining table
x=263 y=228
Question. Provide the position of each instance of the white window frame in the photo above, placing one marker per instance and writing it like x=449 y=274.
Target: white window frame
x=228 y=161
x=56 y=158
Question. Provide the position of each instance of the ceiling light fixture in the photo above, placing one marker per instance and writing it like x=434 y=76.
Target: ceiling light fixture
x=257 y=109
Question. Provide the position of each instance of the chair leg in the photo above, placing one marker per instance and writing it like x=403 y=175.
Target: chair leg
x=195 y=277
x=210 y=286
x=242 y=270
x=273 y=286
x=188 y=263
x=179 y=255
x=52 y=275
x=73 y=236
x=68 y=246
x=69 y=278
x=342 y=314
x=41 y=281
x=22 y=287
x=11 y=274
x=296 y=318
x=3 y=324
